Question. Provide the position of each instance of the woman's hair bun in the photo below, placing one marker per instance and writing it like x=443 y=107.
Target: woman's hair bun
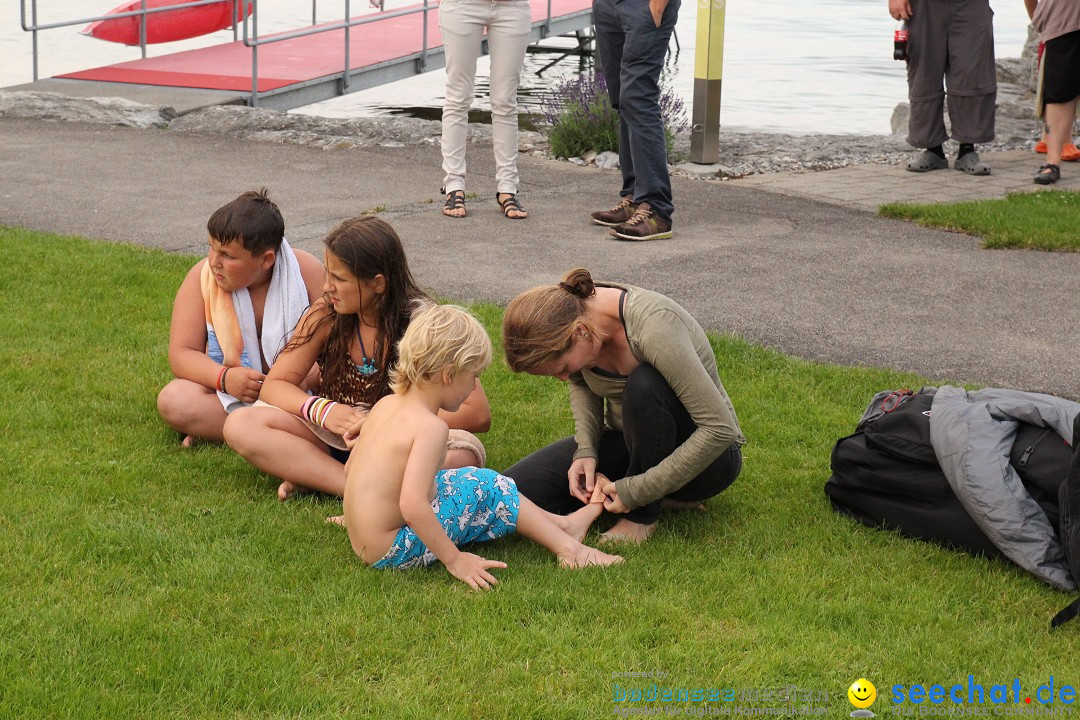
x=579 y=283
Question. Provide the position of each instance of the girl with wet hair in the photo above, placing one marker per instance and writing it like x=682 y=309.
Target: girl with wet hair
x=351 y=334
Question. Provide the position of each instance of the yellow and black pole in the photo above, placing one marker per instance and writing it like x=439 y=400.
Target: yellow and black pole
x=708 y=74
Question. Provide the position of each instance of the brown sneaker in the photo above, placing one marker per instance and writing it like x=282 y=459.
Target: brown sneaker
x=643 y=226
x=616 y=215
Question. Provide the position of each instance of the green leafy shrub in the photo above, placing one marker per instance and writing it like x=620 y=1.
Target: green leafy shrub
x=580 y=117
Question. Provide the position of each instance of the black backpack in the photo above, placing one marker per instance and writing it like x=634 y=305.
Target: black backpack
x=1069 y=497
x=886 y=475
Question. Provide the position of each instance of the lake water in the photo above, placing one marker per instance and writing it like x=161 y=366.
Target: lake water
x=789 y=65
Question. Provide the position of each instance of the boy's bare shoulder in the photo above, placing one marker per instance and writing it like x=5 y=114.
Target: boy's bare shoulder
x=190 y=291
x=194 y=273
x=313 y=272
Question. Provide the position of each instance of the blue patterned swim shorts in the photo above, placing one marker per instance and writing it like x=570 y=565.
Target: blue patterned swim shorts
x=472 y=505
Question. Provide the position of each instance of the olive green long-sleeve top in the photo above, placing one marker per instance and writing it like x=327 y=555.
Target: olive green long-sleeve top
x=662 y=334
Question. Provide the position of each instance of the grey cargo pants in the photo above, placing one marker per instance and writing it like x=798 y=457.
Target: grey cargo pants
x=954 y=40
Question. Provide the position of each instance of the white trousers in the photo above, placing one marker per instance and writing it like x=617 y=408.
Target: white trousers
x=462 y=23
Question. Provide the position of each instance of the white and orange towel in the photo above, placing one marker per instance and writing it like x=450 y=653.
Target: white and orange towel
x=230 y=317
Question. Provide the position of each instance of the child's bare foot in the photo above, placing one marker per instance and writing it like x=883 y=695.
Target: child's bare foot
x=287 y=489
x=187 y=442
x=585 y=556
x=628 y=531
x=671 y=504
x=336 y=520
x=577 y=523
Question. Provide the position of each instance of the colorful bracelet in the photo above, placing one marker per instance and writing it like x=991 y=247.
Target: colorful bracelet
x=316 y=410
x=225 y=379
x=220 y=384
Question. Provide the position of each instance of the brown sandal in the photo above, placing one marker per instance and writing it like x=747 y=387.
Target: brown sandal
x=455 y=200
x=510 y=204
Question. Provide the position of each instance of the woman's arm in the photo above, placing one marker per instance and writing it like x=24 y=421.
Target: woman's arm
x=668 y=346
x=587 y=409
x=474 y=414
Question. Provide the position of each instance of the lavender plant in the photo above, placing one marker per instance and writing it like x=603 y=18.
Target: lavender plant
x=580 y=117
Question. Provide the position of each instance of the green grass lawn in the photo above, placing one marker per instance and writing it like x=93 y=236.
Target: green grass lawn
x=142 y=580
x=1034 y=220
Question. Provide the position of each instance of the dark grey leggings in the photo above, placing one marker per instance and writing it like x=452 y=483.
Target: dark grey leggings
x=655 y=423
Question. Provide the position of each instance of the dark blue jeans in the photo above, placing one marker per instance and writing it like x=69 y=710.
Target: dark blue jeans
x=632 y=51
x=655 y=423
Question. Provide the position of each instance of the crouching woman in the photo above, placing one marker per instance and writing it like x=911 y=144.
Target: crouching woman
x=668 y=434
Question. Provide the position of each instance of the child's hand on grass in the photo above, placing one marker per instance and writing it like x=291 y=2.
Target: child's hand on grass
x=243 y=383
x=473 y=570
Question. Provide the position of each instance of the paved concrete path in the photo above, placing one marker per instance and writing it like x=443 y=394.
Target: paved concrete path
x=762 y=257
x=867 y=187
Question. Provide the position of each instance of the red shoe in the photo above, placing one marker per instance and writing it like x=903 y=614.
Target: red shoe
x=1069 y=153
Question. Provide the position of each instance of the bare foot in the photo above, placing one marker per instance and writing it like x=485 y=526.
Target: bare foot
x=585 y=556
x=336 y=520
x=671 y=504
x=577 y=523
x=628 y=531
x=187 y=442
x=286 y=490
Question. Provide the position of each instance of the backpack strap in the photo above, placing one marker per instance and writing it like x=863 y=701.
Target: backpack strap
x=1066 y=615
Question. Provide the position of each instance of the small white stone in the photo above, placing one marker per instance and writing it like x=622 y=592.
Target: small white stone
x=607 y=160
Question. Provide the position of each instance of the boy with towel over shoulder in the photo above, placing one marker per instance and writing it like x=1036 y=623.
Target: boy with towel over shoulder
x=233 y=313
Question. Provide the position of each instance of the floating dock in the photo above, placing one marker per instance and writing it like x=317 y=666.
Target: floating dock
x=297 y=71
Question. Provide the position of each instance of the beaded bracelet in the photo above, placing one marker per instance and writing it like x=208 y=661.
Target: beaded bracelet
x=220 y=384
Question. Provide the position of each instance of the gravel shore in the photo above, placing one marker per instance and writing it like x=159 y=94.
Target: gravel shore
x=741 y=153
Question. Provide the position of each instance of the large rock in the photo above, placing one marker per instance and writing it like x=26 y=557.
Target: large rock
x=276 y=126
x=106 y=111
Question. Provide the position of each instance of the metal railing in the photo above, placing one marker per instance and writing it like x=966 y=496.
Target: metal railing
x=34 y=28
x=250 y=24
x=254 y=42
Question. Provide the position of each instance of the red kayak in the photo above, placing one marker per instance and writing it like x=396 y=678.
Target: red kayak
x=162 y=27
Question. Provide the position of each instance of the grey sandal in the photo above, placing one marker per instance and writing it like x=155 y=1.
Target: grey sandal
x=971 y=164
x=927 y=161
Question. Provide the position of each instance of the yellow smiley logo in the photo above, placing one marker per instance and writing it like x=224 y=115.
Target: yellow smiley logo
x=862 y=693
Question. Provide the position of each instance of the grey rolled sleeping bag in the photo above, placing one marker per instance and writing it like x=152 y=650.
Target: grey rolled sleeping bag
x=973 y=434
